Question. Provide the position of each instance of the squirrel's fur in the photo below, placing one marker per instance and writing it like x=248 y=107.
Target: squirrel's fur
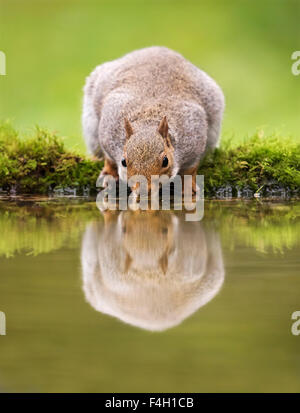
x=151 y=270
x=126 y=101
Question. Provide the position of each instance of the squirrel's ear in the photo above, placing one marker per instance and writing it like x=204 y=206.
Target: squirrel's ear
x=163 y=127
x=128 y=128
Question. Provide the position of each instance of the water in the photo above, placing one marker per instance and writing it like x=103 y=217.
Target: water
x=146 y=302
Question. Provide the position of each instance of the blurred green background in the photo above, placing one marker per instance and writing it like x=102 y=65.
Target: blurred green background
x=51 y=46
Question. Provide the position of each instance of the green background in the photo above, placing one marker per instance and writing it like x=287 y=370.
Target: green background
x=51 y=46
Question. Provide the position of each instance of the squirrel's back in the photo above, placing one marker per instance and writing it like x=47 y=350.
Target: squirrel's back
x=144 y=86
x=154 y=72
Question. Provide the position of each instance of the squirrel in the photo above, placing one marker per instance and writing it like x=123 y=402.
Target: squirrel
x=151 y=112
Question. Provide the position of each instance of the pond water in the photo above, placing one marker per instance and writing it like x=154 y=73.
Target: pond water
x=147 y=302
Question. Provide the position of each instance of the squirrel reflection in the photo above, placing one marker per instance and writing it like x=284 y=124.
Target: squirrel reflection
x=150 y=269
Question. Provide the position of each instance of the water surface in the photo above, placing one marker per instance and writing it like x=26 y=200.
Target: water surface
x=147 y=302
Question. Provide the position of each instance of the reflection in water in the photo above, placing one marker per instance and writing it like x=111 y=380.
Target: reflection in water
x=150 y=269
x=55 y=342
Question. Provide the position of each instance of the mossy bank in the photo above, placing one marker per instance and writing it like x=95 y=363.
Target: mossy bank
x=41 y=164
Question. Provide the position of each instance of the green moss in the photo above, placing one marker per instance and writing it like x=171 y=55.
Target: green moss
x=41 y=164
x=259 y=165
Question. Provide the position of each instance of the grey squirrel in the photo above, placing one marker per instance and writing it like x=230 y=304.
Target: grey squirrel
x=151 y=112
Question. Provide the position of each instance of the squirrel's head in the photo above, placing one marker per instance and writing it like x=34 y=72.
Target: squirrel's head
x=148 y=152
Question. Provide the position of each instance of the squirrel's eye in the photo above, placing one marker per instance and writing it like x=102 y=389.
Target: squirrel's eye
x=123 y=162
x=165 y=162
